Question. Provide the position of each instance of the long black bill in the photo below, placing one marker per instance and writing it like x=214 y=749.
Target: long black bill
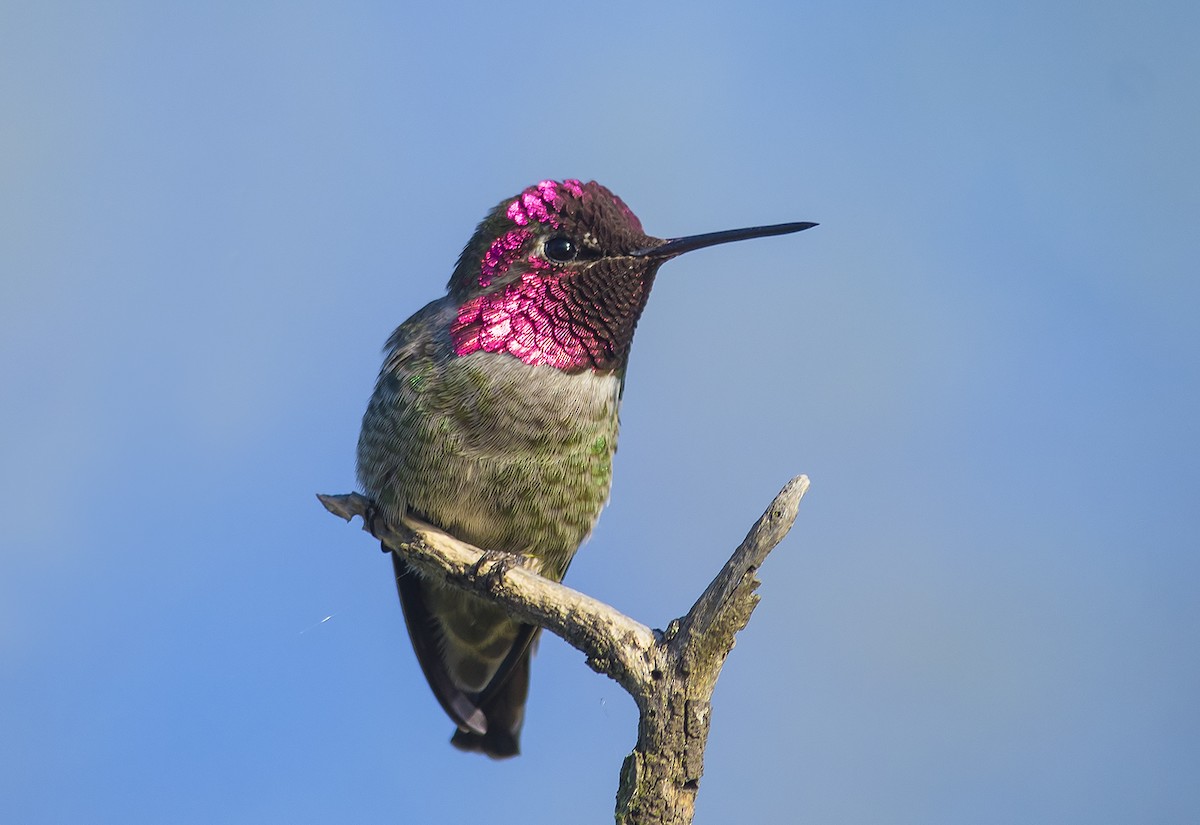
x=677 y=246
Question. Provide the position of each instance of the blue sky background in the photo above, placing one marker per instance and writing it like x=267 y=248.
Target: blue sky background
x=986 y=358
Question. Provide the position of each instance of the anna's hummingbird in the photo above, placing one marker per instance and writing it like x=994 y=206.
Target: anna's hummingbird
x=495 y=419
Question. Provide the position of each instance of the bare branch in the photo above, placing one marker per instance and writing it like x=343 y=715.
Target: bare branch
x=614 y=643
x=726 y=604
x=671 y=676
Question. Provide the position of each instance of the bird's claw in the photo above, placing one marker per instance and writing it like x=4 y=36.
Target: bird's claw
x=494 y=564
x=370 y=516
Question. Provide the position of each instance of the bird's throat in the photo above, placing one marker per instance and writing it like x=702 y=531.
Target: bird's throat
x=571 y=322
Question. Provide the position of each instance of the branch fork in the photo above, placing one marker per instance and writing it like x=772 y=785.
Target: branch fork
x=670 y=674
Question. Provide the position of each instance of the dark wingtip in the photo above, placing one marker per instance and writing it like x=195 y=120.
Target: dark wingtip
x=458 y=705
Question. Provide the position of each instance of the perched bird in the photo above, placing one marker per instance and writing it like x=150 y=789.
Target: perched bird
x=495 y=419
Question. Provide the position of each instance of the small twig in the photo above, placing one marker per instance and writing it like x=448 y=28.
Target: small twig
x=730 y=596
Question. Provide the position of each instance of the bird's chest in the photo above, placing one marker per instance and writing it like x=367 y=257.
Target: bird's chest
x=516 y=457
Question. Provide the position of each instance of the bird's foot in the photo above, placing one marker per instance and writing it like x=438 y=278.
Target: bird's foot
x=494 y=564
x=370 y=517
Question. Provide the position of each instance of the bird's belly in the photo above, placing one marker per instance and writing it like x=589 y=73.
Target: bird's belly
x=524 y=465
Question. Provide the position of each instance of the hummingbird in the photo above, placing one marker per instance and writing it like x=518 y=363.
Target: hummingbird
x=494 y=418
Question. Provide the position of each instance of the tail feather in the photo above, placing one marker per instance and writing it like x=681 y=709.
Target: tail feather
x=489 y=721
x=504 y=708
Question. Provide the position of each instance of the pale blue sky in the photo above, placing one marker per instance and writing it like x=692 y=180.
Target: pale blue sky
x=986 y=358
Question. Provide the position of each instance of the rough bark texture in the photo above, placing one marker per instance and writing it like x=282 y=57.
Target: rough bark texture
x=671 y=675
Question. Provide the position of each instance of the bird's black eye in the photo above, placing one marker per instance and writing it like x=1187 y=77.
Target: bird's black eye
x=561 y=249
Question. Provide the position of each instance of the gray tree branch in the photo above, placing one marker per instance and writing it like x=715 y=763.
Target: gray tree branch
x=670 y=675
